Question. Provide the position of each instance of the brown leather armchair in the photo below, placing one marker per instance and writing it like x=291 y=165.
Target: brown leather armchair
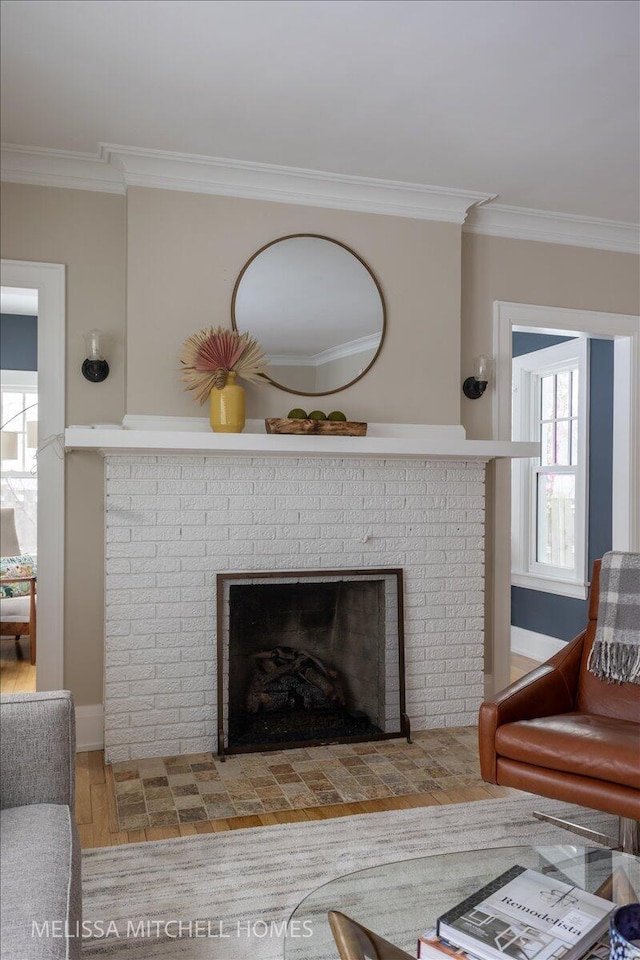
x=560 y=732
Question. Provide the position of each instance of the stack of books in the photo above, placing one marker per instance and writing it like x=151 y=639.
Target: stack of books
x=521 y=915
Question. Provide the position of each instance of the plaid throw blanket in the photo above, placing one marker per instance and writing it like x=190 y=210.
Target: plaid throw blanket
x=615 y=655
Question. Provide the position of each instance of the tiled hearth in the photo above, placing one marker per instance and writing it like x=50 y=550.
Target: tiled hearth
x=193 y=788
x=173 y=522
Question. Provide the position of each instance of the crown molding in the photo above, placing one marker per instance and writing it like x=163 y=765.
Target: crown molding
x=315 y=188
x=116 y=167
x=59 y=168
x=523 y=223
x=348 y=349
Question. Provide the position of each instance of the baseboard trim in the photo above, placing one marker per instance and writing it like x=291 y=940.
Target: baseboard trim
x=89 y=728
x=537 y=646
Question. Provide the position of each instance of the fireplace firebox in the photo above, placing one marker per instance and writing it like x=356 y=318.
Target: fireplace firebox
x=309 y=657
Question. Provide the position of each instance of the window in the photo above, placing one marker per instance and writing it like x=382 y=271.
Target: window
x=549 y=508
x=18 y=481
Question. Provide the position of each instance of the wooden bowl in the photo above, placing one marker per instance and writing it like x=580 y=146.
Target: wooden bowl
x=320 y=428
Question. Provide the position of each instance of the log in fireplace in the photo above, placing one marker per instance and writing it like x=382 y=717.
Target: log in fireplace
x=309 y=657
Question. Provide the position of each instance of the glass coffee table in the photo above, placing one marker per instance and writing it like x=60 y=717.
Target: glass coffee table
x=400 y=901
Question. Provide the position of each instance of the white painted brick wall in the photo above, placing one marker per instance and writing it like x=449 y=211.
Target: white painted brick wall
x=173 y=523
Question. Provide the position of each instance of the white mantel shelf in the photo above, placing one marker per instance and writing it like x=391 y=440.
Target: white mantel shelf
x=192 y=436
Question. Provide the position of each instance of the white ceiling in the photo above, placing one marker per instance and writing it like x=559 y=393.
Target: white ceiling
x=535 y=100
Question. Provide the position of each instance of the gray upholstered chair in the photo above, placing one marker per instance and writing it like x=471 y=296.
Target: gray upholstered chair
x=17 y=614
x=40 y=850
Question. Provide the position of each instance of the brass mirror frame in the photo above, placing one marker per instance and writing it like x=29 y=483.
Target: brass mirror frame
x=317 y=236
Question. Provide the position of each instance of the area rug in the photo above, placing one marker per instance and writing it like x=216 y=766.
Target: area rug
x=168 y=791
x=245 y=882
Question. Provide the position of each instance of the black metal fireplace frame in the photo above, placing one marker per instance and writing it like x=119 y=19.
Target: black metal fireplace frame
x=221 y=578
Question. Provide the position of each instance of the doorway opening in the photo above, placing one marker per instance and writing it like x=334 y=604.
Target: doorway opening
x=574 y=391
x=18 y=488
x=561 y=502
x=32 y=488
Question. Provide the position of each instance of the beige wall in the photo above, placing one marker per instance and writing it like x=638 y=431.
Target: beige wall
x=179 y=255
x=185 y=251
x=522 y=271
x=86 y=232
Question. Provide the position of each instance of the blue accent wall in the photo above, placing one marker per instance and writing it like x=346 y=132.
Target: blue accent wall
x=601 y=448
x=547 y=613
x=522 y=343
x=18 y=342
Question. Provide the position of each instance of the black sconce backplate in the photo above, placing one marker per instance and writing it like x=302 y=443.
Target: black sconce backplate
x=473 y=389
x=95 y=370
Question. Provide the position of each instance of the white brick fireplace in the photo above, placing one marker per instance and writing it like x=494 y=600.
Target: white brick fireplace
x=183 y=505
x=173 y=522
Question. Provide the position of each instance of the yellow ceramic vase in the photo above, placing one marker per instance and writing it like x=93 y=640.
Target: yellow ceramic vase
x=226 y=407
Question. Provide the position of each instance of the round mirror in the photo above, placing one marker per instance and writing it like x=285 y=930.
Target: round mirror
x=316 y=309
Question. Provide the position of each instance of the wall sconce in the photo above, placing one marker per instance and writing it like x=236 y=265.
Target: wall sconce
x=473 y=387
x=95 y=368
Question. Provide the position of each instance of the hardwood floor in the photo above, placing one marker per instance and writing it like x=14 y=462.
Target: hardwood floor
x=16 y=673
x=521 y=665
x=95 y=796
x=98 y=825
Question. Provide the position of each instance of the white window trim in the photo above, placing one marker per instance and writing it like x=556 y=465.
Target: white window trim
x=526 y=571
x=624 y=330
x=561 y=588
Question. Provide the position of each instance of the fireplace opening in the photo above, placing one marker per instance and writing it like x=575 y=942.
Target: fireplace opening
x=314 y=659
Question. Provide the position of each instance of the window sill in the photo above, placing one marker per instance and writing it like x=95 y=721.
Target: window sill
x=562 y=588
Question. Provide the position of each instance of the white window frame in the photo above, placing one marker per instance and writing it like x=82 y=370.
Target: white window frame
x=526 y=570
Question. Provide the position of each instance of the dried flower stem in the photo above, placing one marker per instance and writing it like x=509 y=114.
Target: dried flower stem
x=208 y=357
